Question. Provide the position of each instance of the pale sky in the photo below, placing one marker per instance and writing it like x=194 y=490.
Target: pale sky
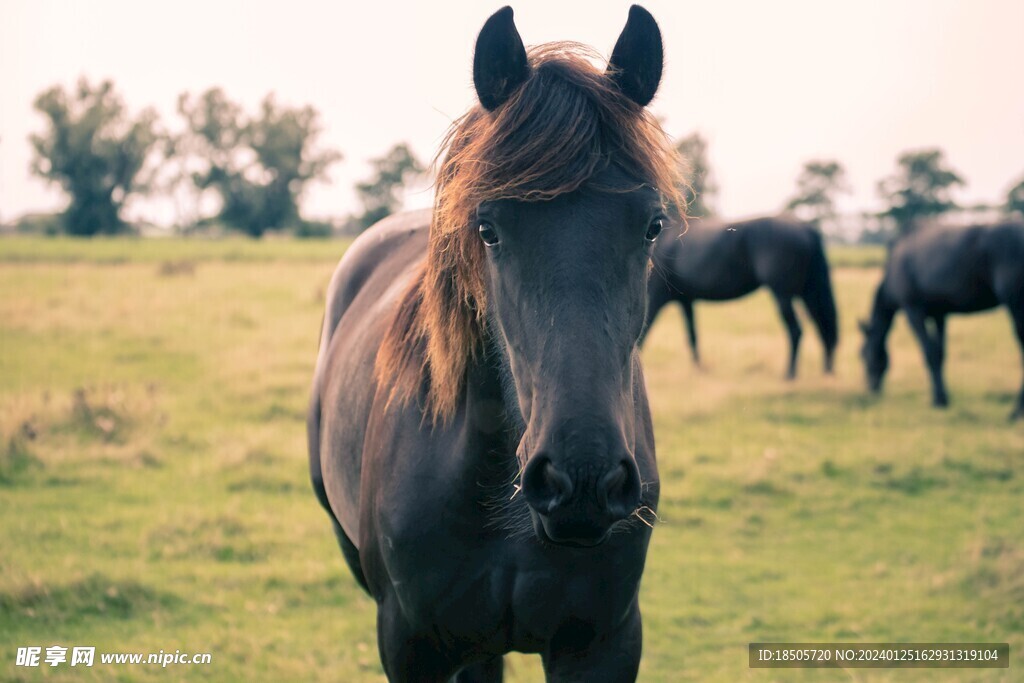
x=770 y=84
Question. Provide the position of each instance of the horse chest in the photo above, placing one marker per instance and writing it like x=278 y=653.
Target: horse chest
x=506 y=595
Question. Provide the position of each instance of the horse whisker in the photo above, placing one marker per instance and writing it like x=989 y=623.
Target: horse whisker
x=639 y=512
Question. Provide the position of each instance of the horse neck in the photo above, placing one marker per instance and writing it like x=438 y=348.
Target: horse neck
x=491 y=406
x=492 y=382
x=882 y=313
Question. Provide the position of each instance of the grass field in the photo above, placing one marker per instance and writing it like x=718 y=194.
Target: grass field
x=154 y=496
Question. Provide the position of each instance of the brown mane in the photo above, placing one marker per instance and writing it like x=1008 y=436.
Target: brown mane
x=559 y=129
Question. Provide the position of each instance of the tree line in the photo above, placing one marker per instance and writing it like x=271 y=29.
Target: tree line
x=918 y=192
x=256 y=166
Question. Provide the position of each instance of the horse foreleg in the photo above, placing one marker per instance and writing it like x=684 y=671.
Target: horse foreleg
x=1018 y=324
x=940 y=337
x=574 y=655
x=788 y=314
x=408 y=657
x=691 y=329
x=490 y=670
x=933 y=348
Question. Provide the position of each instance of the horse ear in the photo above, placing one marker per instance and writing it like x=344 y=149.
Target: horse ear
x=499 y=60
x=637 y=58
x=865 y=327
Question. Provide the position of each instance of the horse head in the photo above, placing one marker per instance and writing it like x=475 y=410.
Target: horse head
x=874 y=354
x=566 y=261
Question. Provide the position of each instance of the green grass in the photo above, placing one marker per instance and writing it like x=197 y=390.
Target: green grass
x=172 y=250
x=153 y=487
x=856 y=256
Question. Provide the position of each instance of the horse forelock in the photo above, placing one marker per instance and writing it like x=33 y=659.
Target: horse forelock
x=559 y=129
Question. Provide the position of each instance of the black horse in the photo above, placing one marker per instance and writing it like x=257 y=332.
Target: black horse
x=937 y=271
x=721 y=261
x=479 y=430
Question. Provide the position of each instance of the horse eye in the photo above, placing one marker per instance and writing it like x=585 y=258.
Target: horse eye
x=654 y=229
x=488 y=234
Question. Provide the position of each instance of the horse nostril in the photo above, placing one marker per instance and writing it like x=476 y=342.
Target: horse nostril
x=620 y=490
x=544 y=485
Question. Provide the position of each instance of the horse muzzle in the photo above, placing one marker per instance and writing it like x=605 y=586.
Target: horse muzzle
x=579 y=510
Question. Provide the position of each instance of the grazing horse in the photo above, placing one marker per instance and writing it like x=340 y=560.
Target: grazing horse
x=720 y=261
x=937 y=271
x=479 y=430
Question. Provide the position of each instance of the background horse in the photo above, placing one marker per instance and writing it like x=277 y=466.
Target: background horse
x=719 y=261
x=479 y=428
x=937 y=271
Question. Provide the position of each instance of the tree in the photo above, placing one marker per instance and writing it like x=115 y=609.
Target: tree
x=381 y=195
x=207 y=149
x=259 y=166
x=920 y=189
x=1015 y=198
x=817 y=186
x=95 y=151
x=701 y=187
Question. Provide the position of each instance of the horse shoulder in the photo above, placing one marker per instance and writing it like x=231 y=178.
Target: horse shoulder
x=365 y=289
x=941 y=269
